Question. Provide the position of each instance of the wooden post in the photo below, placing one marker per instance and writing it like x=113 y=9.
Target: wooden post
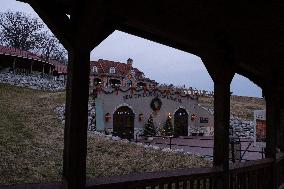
x=43 y=70
x=280 y=137
x=272 y=123
x=14 y=66
x=75 y=133
x=274 y=136
x=221 y=129
x=31 y=67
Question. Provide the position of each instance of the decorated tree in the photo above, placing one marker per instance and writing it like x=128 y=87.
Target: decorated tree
x=149 y=129
x=168 y=128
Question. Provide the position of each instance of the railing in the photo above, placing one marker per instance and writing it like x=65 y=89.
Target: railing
x=194 y=178
x=251 y=175
x=279 y=164
x=248 y=175
x=260 y=174
x=236 y=151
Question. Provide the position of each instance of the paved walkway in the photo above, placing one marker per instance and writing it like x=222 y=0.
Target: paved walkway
x=204 y=146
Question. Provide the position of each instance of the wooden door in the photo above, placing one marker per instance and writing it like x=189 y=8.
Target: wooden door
x=123 y=123
x=181 y=122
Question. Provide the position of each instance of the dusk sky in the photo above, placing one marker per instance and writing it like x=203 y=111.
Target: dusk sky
x=159 y=62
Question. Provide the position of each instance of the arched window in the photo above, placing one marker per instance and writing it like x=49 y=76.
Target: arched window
x=112 y=70
x=95 y=69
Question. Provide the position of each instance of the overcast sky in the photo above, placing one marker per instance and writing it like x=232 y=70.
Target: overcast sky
x=159 y=62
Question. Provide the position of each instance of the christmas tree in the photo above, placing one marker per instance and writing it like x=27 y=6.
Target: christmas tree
x=168 y=128
x=149 y=129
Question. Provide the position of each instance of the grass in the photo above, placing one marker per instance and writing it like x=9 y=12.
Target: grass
x=31 y=143
x=240 y=106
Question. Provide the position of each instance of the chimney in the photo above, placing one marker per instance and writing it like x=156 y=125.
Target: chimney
x=129 y=62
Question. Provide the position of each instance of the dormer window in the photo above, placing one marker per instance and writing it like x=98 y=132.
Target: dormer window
x=112 y=70
x=132 y=72
x=95 y=69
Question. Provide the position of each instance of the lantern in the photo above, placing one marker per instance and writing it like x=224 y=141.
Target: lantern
x=169 y=116
x=193 y=117
x=107 y=117
x=141 y=117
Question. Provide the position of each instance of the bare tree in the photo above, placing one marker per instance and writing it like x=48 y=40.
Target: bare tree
x=20 y=31
x=50 y=48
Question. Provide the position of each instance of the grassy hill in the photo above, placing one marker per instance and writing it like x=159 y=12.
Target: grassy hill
x=31 y=143
x=241 y=106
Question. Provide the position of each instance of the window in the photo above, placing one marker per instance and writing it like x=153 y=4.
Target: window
x=95 y=69
x=112 y=70
x=132 y=72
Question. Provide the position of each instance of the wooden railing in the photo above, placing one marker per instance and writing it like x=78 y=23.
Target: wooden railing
x=251 y=174
x=258 y=174
x=248 y=175
x=279 y=164
x=204 y=178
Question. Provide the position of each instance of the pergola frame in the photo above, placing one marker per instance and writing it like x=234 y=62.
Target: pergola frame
x=227 y=42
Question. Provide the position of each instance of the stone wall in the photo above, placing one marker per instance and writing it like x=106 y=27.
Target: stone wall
x=33 y=81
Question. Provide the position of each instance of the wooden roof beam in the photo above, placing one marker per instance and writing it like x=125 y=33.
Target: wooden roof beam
x=57 y=21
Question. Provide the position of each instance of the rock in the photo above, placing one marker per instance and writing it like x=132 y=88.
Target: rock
x=116 y=138
x=166 y=150
x=32 y=81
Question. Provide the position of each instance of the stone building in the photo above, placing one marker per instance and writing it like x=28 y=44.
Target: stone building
x=260 y=125
x=125 y=99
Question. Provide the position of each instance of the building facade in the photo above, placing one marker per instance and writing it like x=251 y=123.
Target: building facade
x=260 y=125
x=125 y=99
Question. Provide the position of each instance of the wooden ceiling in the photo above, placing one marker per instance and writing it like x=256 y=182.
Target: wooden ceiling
x=250 y=33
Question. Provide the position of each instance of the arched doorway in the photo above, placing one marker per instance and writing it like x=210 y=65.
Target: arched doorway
x=123 y=122
x=97 y=81
x=114 y=82
x=141 y=84
x=181 y=122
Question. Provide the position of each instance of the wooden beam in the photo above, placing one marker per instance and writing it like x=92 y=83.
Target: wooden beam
x=92 y=22
x=281 y=132
x=221 y=129
x=272 y=98
x=75 y=133
x=220 y=67
x=57 y=20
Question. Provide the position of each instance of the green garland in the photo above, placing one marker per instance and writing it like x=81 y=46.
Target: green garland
x=156 y=104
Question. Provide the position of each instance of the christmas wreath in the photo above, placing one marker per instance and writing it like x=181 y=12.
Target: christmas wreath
x=156 y=104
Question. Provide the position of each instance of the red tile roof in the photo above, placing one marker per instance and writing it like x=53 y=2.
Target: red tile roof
x=102 y=65
x=120 y=68
x=10 y=51
x=59 y=67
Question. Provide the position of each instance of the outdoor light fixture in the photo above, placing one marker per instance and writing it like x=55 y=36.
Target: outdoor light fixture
x=107 y=117
x=193 y=117
x=141 y=117
x=170 y=116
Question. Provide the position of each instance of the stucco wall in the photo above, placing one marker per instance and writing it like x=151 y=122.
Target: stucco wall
x=139 y=102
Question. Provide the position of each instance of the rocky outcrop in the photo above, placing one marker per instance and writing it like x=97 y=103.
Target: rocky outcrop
x=60 y=110
x=32 y=81
x=242 y=128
